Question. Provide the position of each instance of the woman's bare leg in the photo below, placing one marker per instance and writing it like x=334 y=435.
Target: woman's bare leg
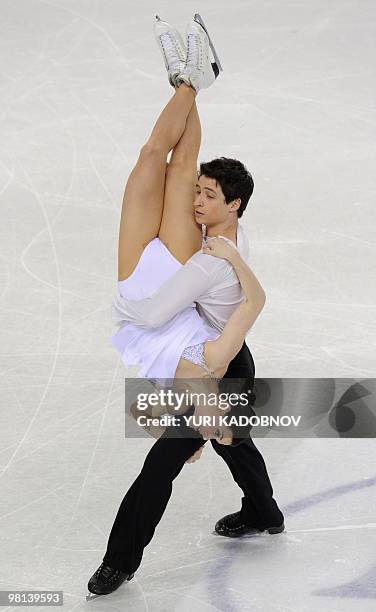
x=179 y=230
x=144 y=192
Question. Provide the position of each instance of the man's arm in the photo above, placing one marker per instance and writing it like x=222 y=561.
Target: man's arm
x=185 y=287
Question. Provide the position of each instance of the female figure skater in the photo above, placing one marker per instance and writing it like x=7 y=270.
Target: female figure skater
x=158 y=234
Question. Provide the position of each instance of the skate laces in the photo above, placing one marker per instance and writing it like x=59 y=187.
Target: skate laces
x=233 y=519
x=170 y=46
x=193 y=46
x=106 y=572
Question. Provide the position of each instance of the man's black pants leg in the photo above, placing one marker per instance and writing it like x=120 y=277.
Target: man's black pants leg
x=246 y=463
x=144 y=503
x=247 y=466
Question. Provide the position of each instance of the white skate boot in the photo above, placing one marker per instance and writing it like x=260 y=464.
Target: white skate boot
x=173 y=48
x=200 y=72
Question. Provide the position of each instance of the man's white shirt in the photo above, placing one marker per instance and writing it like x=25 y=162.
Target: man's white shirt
x=204 y=281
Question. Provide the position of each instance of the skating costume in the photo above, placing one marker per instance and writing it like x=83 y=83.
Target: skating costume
x=196 y=354
x=157 y=351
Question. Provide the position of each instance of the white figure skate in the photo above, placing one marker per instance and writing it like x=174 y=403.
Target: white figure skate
x=173 y=48
x=200 y=72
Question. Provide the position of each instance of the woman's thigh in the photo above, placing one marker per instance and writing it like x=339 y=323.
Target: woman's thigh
x=179 y=230
x=142 y=208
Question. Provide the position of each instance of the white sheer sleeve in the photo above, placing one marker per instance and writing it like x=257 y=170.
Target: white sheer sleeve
x=185 y=287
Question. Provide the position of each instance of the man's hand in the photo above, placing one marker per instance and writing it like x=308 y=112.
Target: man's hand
x=196 y=455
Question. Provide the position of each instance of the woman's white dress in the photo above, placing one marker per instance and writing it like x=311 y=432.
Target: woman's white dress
x=157 y=351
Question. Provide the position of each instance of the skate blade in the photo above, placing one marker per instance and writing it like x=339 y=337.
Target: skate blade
x=158 y=18
x=91 y=596
x=199 y=20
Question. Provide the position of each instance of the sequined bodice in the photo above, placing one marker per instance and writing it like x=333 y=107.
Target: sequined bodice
x=195 y=354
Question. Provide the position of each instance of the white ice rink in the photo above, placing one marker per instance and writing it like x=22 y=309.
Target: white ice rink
x=82 y=82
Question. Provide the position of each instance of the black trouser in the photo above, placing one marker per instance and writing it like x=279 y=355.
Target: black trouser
x=144 y=503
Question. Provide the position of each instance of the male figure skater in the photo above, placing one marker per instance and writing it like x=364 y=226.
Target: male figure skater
x=222 y=193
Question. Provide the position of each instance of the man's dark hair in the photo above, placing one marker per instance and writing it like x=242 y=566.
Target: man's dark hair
x=233 y=177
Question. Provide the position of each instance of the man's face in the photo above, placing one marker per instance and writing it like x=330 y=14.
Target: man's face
x=210 y=206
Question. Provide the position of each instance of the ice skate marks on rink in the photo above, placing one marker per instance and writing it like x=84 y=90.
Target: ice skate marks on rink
x=81 y=83
x=322 y=555
x=362 y=587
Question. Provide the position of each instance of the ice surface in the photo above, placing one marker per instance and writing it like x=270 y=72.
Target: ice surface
x=81 y=84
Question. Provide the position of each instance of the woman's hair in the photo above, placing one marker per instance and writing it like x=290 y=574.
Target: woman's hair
x=233 y=177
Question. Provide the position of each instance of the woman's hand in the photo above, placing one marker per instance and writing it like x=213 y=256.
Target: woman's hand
x=195 y=455
x=220 y=247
